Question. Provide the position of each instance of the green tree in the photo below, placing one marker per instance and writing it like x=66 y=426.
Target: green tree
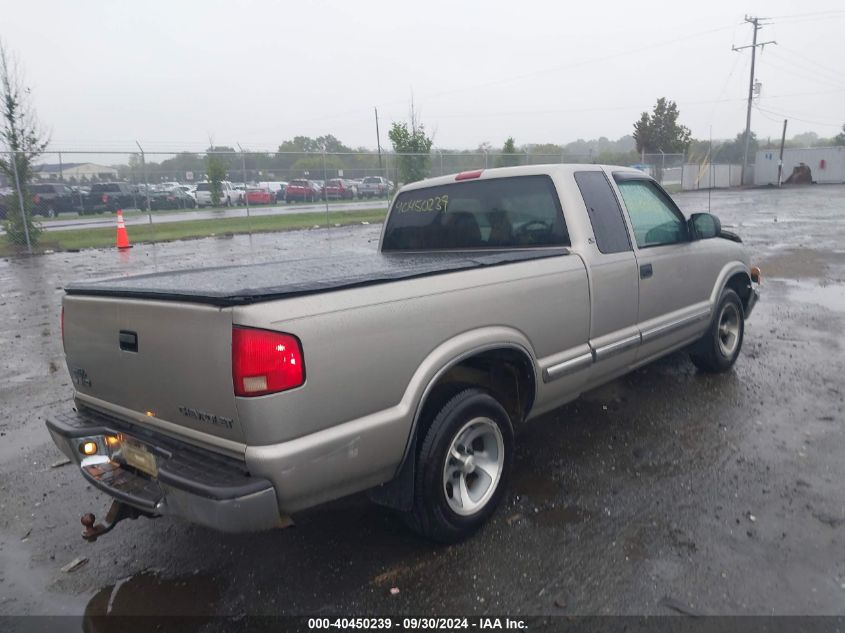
x=509 y=156
x=216 y=171
x=734 y=151
x=839 y=139
x=22 y=134
x=413 y=149
x=660 y=131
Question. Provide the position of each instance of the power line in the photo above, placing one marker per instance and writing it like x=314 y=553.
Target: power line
x=814 y=62
x=792 y=116
x=804 y=71
x=543 y=71
x=804 y=15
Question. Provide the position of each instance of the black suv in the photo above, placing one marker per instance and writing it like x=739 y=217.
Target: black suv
x=109 y=196
x=50 y=199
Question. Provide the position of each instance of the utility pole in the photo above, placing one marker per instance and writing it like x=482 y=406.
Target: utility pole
x=780 y=158
x=378 y=142
x=246 y=189
x=755 y=22
x=146 y=184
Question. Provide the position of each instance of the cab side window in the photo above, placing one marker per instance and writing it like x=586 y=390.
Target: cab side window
x=655 y=219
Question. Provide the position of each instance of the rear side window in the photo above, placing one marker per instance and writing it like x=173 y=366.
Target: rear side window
x=204 y=186
x=604 y=211
x=519 y=212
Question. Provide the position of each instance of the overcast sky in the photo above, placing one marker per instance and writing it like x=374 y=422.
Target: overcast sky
x=172 y=73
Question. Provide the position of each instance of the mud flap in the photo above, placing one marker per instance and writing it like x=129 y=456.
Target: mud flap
x=398 y=493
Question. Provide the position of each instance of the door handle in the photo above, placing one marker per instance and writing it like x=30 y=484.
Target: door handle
x=128 y=341
x=646 y=271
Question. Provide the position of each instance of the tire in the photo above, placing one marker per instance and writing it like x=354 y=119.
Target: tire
x=449 y=473
x=719 y=348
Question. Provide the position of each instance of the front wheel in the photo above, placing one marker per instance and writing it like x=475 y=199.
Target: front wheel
x=719 y=348
x=463 y=467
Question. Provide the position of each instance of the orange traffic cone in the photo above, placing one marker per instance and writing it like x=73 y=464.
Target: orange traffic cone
x=122 y=237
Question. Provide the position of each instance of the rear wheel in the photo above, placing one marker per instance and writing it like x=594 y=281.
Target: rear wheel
x=719 y=348
x=463 y=467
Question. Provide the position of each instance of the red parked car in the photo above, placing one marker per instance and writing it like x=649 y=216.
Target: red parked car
x=302 y=190
x=260 y=196
x=339 y=189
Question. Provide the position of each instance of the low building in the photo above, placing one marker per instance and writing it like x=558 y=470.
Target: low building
x=78 y=172
x=811 y=164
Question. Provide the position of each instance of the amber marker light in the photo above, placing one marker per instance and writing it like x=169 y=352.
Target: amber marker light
x=756 y=275
x=150 y=414
x=88 y=448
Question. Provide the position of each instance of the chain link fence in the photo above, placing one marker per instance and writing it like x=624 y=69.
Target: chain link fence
x=169 y=195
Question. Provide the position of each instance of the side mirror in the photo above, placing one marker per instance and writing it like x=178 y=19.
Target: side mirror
x=703 y=226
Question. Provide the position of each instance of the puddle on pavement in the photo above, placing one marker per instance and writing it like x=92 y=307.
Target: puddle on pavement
x=831 y=296
x=148 y=594
x=535 y=487
x=23 y=584
x=561 y=516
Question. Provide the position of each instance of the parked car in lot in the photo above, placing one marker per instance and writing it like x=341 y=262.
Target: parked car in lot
x=280 y=194
x=274 y=187
x=110 y=196
x=497 y=296
x=339 y=189
x=50 y=199
x=229 y=196
x=301 y=190
x=190 y=190
x=172 y=198
x=374 y=187
x=260 y=195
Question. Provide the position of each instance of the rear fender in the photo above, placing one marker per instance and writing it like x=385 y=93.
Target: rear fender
x=398 y=492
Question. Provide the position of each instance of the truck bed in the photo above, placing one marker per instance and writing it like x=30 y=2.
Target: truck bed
x=252 y=283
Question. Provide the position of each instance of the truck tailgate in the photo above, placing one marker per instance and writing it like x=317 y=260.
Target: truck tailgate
x=167 y=361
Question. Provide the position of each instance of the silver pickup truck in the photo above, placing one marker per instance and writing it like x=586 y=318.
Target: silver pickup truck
x=233 y=397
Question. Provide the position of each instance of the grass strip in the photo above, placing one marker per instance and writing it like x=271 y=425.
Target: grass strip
x=77 y=239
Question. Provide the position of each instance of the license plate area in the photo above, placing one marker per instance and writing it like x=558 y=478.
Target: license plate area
x=138 y=456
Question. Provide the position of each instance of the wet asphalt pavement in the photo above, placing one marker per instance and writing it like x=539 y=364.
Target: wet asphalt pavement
x=666 y=489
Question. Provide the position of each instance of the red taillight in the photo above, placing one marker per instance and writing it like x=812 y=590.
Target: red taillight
x=265 y=362
x=37 y=199
x=105 y=198
x=467 y=175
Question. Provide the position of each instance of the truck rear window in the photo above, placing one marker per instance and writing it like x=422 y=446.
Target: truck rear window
x=518 y=212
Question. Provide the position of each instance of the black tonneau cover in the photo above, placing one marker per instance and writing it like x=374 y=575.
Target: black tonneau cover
x=252 y=283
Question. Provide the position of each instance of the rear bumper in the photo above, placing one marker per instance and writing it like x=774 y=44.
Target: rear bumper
x=193 y=484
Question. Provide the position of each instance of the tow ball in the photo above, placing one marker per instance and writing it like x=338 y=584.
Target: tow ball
x=117 y=513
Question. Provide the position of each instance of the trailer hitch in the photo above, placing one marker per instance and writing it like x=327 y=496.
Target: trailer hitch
x=117 y=513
